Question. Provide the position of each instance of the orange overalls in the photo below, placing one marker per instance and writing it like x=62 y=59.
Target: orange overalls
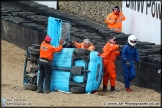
x=115 y=25
x=45 y=65
x=109 y=56
x=47 y=50
x=81 y=45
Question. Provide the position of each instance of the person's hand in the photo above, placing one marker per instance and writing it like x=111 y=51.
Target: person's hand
x=115 y=19
x=61 y=41
x=120 y=46
x=159 y=72
x=127 y=63
x=99 y=54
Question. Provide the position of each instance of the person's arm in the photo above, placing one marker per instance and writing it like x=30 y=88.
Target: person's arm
x=117 y=52
x=110 y=19
x=123 y=53
x=122 y=16
x=59 y=48
x=92 y=47
x=108 y=49
x=78 y=45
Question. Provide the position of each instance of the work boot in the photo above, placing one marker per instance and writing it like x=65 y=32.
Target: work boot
x=46 y=92
x=38 y=91
x=104 y=88
x=113 y=89
x=129 y=90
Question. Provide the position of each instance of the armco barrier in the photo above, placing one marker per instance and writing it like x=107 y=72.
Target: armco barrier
x=147 y=73
x=19 y=35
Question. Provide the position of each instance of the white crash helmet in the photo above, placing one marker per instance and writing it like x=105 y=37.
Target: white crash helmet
x=132 y=40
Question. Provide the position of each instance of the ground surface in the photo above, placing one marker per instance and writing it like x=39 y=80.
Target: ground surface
x=12 y=67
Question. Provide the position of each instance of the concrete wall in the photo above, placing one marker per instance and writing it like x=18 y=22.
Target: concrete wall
x=143 y=20
x=52 y=4
x=95 y=11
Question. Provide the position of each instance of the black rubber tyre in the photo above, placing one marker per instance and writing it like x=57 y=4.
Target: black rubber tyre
x=30 y=87
x=154 y=55
x=20 y=22
x=143 y=58
x=6 y=19
x=32 y=26
x=94 y=41
x=142 y=45
x=40 y=29
x=141 y=54
x=5 y=14
x=159 y=62
x=77 y=90
x=2 y=17
x=155 y=60
x=151 y=51
x=104 y=33
x=151 y=46
x=140 y=50
x=122 y=37
x=78 y=40
x=150 y=59
x=91 y=37
x=108 y=35
x=120 y=42
x=82 y=51
x=98 y=48
x=32 y=50
x=101 y=44
x=78 y=35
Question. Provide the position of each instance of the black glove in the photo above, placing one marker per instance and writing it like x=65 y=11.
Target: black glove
x=138 y=65
x=127 y=63
x=120 y=46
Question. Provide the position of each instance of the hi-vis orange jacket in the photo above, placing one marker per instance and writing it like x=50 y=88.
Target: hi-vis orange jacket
x=81 y=45
x=109 y=52
x=47 y=50
x=115 y=21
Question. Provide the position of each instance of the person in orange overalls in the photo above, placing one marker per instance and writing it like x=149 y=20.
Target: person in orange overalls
x=110 y=51
x=85 y=44
x=45 y=66
x=114 y=19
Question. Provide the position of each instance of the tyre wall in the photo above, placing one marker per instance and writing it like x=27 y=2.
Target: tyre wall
x=20 y=36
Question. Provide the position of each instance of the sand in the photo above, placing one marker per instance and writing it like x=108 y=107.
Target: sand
x=12 y=90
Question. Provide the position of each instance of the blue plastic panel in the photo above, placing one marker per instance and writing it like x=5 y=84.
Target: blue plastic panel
x=54 y=30
x=63 y=59
x=60 y=79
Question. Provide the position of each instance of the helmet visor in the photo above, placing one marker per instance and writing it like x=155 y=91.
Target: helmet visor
x=133 y=41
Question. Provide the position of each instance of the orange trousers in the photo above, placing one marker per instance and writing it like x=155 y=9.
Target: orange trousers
x=109 y=73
